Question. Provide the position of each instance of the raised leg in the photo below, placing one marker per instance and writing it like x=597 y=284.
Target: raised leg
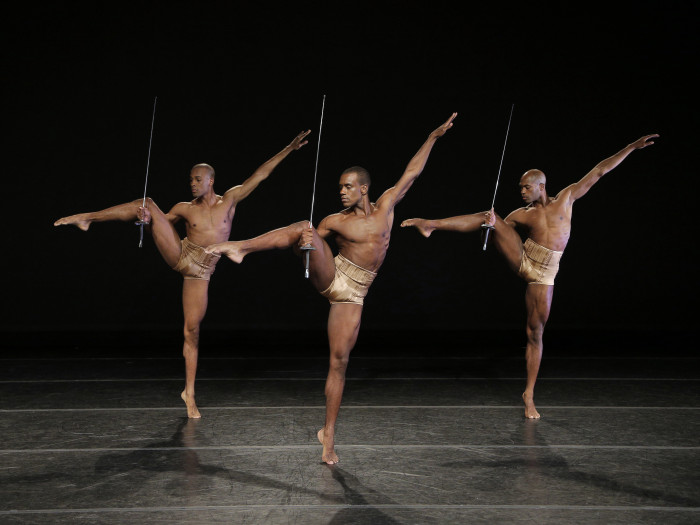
x=194 y=304
x=321 y=267
x=343 y=328
x=278 y=239
x=538 y=302
x=508 y=242
x=460 y=223
x=121 y=212
x=164 y=234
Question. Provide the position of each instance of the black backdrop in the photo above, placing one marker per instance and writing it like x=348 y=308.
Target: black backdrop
x=234 y=86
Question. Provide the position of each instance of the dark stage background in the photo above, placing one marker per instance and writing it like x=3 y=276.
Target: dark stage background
x=234 y=86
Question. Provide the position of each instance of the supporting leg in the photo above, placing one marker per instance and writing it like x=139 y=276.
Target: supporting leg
x=538 y=302
x=194 y=304
x=343 y=328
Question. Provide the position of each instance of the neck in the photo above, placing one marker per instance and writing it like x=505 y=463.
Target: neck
x=542 y=201
x=364 y=207
x=208 y=198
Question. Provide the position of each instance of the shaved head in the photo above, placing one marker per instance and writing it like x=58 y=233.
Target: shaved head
x=534 y=177
x=206 y=167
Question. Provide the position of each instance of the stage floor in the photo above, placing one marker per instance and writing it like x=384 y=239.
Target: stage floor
x=431 y=431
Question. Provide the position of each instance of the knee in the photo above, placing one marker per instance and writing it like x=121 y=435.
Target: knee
x=298 y=227
x=339 y=362
x=535 y=332
x=191 y=333
x=151 y=205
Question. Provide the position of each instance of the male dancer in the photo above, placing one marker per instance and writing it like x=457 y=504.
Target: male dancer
x=362 y=232
x=208 y=219
x=547 y=223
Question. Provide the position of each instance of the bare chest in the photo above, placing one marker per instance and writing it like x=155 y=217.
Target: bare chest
x=549 y=226
x=209 y=223
x=372 y=229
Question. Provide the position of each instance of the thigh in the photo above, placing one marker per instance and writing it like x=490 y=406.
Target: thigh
x=195 y=297
x=165 y=236
x=538 y=301
x=322 y=264
x=508 y=243
x=343 y=327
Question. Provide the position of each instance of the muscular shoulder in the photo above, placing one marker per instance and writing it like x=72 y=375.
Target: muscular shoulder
x=232 y=195
x=564 y=196
x=181 y=209
x=333 y=220
x=519 y=215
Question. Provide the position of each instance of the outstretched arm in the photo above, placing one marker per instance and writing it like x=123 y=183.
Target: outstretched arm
x=580 y=188
x=393 y=195
x=240 y=192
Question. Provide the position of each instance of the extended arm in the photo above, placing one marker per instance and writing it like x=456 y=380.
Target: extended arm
x=240 y=192
x=580 y=188
x=393 y=196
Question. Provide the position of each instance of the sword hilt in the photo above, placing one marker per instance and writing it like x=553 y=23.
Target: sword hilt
x=140 y=225
x=487 y=229
x=306 y=249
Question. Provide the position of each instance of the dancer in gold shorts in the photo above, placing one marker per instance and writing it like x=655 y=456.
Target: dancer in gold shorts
x=195 y=262
x=362 y=232
x=547 y=223
x=350 y=284
x=207 y=219
x=539 y=265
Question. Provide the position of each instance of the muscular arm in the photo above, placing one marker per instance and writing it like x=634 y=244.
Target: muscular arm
x=514 y=218
x=175 y=213
x=324 y=227
x=580 y=188
x=393 y=195
x=236 y=194
x=323 y=230
x=173 y=216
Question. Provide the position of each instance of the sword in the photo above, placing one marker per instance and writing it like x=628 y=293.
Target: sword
x=308 y=247
x=488 y=227
x=148 y=163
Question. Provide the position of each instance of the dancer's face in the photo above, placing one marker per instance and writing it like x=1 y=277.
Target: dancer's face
x=200 y=182
x=351 y=190
x=530 y=188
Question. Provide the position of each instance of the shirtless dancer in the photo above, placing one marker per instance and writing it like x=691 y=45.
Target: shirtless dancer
x=361 y=231
x=547 y=223
x=208 y=220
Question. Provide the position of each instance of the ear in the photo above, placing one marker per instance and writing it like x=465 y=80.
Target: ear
x=363 y=189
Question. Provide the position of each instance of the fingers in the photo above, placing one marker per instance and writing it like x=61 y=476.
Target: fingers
x=297 y=142
x=448 y=124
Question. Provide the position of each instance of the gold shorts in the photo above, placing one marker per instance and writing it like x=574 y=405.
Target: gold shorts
x=539 y=265
x=195 y=262
x=350 y=283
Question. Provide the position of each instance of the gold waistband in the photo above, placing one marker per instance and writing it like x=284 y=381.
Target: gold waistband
x=355 y=272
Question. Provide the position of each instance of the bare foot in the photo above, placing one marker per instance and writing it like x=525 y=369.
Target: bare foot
x=328 y=456
x=231 y=249
x=192 y=410
x=420 y=224
x=530 y=410
x=80 y=220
